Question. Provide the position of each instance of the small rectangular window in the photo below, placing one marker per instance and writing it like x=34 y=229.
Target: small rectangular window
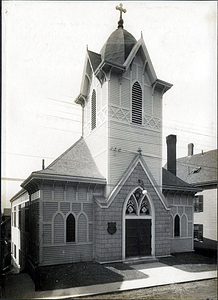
x=198 y=232
x=198 y=203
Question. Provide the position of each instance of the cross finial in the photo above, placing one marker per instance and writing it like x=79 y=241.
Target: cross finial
x=122 y=10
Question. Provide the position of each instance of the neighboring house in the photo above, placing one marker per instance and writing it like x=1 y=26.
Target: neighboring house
x=6 y=237
x=102 y=199
x=200 y=170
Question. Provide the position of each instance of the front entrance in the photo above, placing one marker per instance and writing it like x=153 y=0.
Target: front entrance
x=138 y=237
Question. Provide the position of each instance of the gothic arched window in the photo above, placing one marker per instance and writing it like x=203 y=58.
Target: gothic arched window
x=137 y=103
x=93 y=117
x=70 y=228
x=138 y=204
x=177 y=226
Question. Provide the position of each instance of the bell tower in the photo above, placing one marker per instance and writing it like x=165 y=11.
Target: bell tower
x=121 y=98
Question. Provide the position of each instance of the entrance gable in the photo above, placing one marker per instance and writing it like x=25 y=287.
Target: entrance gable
x=135 y=174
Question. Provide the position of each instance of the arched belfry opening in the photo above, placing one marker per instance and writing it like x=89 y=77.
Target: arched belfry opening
x=138 y=224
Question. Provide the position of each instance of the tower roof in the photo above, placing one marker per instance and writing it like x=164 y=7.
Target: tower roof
x=118 y=46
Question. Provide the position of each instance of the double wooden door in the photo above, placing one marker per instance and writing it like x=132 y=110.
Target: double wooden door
x=138 y=237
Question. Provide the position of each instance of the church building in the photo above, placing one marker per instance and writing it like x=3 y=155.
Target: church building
x=104 y=198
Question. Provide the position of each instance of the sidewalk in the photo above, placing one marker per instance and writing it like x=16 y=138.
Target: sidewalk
x=22 y=287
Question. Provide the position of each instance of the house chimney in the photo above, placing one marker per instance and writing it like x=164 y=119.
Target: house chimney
x=171 y=153
x=43 y=164
x=190 y=149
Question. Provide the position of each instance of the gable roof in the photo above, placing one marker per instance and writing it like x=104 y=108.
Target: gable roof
x=199 y=169
x=95 y=59
x=172 y=182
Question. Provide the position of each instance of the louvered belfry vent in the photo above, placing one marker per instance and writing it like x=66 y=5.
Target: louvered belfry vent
x=93 y=109
x=136 y=103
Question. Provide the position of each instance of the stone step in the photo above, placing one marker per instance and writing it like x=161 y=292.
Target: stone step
x=140 y=260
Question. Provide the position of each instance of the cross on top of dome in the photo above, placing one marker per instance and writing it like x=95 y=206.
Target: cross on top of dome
x=122 y=10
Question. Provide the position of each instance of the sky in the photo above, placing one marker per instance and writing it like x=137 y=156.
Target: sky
x=43 y=53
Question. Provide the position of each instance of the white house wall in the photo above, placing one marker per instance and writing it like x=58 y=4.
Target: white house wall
x=208 y=218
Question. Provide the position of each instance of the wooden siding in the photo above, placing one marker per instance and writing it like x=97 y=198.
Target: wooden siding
x=184 y=226
x=114 y=90
x=88 y=209
x=65 y=207
x=59 y=192
x=58 y=229
x=49 y=209
x=125 y=93
x=71 y=193
x=208 y=218
x=82 y=229
x=53 y=255
x=181 y=245
x=47 y=230
x=47 y=192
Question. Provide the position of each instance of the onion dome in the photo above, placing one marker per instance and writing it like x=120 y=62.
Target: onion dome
x=118 y=46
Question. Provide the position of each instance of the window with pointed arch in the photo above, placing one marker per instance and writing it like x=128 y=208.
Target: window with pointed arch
x=137 y=103
x=177 y=226
x=71 y=228
x=93 y=105
x=138 y=204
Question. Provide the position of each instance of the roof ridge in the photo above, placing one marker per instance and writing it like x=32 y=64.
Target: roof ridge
x=65 y=152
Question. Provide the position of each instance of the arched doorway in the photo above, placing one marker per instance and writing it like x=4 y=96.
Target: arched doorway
x=138 y=225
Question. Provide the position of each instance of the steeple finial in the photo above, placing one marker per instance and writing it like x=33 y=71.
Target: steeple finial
x=122 y=10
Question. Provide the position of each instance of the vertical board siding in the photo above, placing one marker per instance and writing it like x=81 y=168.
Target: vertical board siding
x=49 y=208
x=65 y=207
x=46 y=233
x=114 y=90
x=134 y=72
x=157 y=105
x=67 y=254
x=71 y=193
x=140 y=73
x=99 y=104
x=58 y=229
x=82 y=229
x=184 y=225
x=125 y=94
x=88 y=209
x=171 y=226
x=47 y=193
x=147 y=100
x=59 y=193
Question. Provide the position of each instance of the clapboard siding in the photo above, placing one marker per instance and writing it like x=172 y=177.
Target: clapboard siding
x=46 y=233
x=65 y=207
x=49 y=209
x=71 y=193
x=90 y=232
x=88 y=209
x=76 y=207
x=134 y=72
x=184 y=225
x=82 y=229
x=59 y=192
x=82 y=194
x=34 y=221
x=189 y=213
x=54 y=255
x=58 y=229
x=47 y=192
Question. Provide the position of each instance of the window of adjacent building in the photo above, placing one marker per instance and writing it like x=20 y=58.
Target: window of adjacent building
x=177 y=226
x=198 y=232
x=136 y=103
x=27 y=219
x=15 y=218
x=15 y=251
x=19 y=217
x=198 y=203
x=70 y=236
x=93 y=117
